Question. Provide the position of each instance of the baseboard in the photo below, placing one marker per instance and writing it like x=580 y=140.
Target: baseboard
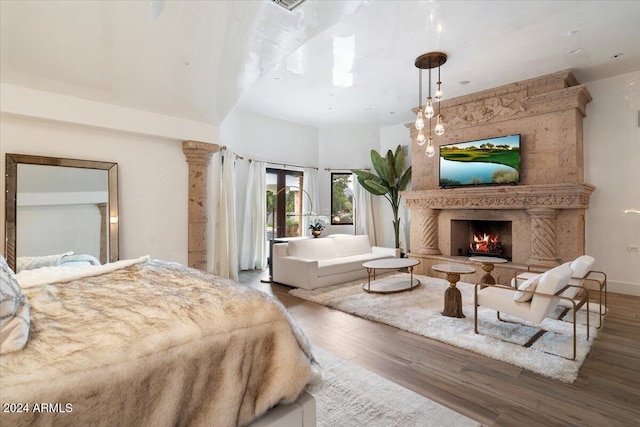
x=623 y=288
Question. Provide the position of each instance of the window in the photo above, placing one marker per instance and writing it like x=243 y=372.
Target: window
x=341 y=198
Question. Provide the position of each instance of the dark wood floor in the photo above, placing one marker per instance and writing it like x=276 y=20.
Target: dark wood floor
x=606 y=393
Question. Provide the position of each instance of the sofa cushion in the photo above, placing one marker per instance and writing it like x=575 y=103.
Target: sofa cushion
x=314 y=249
x=352 y=245
x=347 y=264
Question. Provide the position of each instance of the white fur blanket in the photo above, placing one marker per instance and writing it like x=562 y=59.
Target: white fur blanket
x=154 y=344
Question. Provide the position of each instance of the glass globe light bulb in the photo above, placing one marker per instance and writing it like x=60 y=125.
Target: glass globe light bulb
x=429 y=111
x=420 y=120
x=439 y=129
x=420 y=140
x=430 y=151
x=439 y=94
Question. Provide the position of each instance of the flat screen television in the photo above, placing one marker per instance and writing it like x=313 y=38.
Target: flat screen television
x=491 y=161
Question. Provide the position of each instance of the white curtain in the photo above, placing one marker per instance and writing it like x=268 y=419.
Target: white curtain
x=253 y=253
x=364 y=216
x=224 y=256
x=311 y=204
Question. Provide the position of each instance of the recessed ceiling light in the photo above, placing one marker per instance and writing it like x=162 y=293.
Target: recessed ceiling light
x=186 y=64
x=464 y=82
x=276 y=77
x=572 y=32
x=392 y=112
x=330 y=108
x=576 y=51
x=368 y=109
x=617 y=55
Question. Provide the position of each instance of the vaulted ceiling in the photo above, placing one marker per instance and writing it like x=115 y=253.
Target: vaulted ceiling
x=323 y=63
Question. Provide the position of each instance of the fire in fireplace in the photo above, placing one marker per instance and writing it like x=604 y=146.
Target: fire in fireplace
x=485 y=244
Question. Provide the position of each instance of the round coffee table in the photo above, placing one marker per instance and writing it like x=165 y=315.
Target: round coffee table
x=390 y=284
x=452 y=296
x=488 y=263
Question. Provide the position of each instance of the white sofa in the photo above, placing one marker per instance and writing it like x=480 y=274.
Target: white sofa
x=314 y=263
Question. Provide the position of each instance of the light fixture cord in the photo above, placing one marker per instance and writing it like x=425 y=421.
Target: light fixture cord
x=419 y=88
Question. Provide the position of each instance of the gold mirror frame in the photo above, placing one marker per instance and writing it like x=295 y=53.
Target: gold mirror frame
x=12 y=162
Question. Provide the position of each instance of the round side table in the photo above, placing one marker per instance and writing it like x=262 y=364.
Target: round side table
x=488 y=264
x=452 y=296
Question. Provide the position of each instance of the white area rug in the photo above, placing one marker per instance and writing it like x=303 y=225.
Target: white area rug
x=351 y=396
x=418 y=311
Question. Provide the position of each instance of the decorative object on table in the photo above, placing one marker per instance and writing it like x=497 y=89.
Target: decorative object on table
x=418 y=312
x=316 y=227
x=423 y=62
x=392 y=178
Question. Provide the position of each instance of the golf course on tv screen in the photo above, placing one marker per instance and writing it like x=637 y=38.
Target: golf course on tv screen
x=484 y=162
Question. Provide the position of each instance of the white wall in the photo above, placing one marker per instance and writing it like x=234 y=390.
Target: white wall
x=265 y=138
x=260 y=137
x=153 y=173
x=343 y=148
x=612 y=162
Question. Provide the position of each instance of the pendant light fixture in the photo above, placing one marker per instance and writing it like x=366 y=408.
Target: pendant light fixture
x=428 y=61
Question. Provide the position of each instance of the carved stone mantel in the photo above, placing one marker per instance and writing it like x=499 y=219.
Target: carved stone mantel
x=546 y=210
x=551 y=196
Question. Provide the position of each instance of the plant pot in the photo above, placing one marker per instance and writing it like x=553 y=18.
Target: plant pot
x=316 y=233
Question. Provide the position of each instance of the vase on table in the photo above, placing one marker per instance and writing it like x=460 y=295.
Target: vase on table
x=316 y=233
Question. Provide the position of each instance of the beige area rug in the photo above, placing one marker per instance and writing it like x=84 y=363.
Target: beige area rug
x=351 y=396
x=418 y=311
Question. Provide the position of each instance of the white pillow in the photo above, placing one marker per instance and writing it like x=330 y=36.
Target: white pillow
x=14 y=311
x=528 y=285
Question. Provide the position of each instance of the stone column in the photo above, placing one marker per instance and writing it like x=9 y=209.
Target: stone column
x=425 y=231
x=198 y=156
x=104 y=221
x=543 y=237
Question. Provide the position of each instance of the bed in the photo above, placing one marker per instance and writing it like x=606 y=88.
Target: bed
x=151 y=343
x=67 y=259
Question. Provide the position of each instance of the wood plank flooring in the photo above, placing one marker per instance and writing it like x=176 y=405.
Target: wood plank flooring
x=606 y=393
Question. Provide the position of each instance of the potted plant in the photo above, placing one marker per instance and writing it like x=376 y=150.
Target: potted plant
x=316 y=228
x=390 y=181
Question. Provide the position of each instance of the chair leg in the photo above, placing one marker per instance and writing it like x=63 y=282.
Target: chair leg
x=574 y=332
x=475 y=309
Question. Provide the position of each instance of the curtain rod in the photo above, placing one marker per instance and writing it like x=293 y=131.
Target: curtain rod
x=224 y=147
x=347 y=169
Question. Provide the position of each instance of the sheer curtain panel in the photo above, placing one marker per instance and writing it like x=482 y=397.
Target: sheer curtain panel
x=253 y=253
x=225 y=256
x=364 y=218
x=311 y=204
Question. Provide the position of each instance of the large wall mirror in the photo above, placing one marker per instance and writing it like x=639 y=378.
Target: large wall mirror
x=56 y=206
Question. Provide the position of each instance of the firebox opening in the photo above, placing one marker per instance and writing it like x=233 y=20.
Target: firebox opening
x=480 y=237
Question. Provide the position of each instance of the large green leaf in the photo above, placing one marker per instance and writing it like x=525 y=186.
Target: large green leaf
x=391 y=168
x=374 y=187
x=364 y=175
x=399 y=163
x=404 y=181
x=381 y=166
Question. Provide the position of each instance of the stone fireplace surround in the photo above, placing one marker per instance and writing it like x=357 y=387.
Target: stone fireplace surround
x=547 y=209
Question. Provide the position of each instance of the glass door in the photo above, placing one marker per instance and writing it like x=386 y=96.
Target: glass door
x=284 y=203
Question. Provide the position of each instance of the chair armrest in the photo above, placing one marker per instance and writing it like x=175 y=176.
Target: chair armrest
x=601 y=281
x=385 y=251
